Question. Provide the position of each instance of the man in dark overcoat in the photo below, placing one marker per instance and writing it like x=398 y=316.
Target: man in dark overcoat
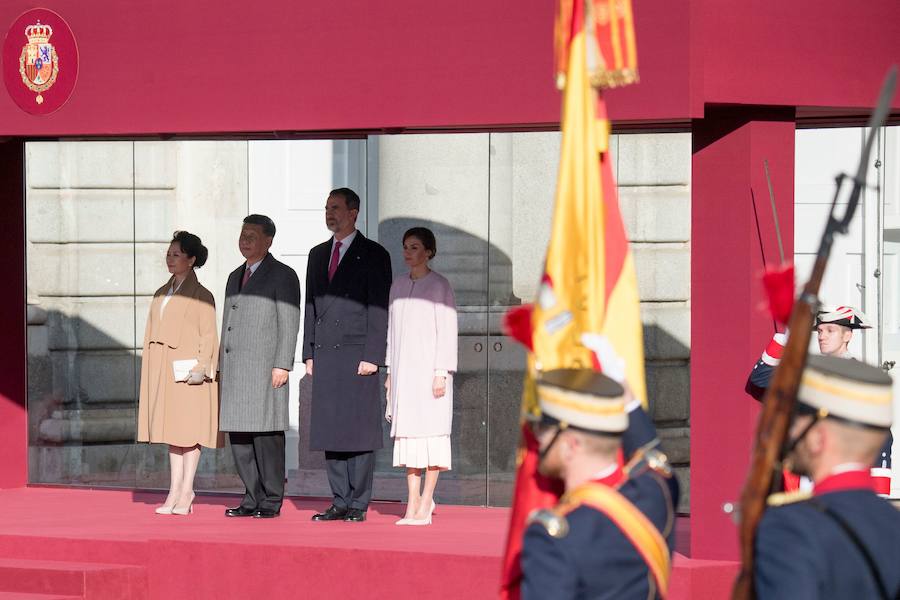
x=260 y=323
x=348 y=280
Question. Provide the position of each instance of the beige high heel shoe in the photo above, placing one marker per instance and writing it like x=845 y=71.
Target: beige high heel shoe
x=177 y=510
x=403 y=521
x=426 y=520
x=166 y=508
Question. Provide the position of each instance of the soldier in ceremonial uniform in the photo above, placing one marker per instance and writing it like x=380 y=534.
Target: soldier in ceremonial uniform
x=834 y=330
x=611 y=534
x=840 y=540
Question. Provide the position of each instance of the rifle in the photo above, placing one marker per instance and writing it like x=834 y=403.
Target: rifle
x=780 y=398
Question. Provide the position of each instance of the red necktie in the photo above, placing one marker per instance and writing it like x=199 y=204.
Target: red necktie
x=335 y=260
x=247 y=274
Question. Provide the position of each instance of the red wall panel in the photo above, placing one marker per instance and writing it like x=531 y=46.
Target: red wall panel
x=732 y=239
x=799 y=53
x=225 y=66
x=13 y=418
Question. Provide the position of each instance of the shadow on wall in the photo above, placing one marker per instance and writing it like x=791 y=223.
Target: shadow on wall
x=82 y=393
x=82 y=410
x=667 y=364
x=481 y=277
x=480 y=272
x=487 y=388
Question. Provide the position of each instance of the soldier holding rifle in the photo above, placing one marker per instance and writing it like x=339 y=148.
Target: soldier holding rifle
x=841 y=540
x=850 y=545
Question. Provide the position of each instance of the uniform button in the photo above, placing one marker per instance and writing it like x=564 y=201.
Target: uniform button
x=227 y=350
x=318 y=345
x=229 y=328
x=337 y=323
x=318 y=321
x=336 y=346
x=234 y=307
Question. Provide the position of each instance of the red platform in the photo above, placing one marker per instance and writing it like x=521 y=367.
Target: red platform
x=100 y=544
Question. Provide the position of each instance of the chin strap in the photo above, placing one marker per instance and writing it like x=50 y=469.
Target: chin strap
x=792 y=445
x=543 y=453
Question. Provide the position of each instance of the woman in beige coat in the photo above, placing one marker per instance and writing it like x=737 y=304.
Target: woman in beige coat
x=179 y=397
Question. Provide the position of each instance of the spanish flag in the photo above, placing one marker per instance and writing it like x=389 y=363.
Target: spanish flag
x=587 y=313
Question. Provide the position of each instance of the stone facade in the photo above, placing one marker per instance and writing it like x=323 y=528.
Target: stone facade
x=654 y=175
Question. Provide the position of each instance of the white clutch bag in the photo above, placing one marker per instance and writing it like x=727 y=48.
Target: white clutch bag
x=182 y=368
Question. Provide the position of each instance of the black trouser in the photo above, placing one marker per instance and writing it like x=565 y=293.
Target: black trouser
x=350 y=476
x=259 y=459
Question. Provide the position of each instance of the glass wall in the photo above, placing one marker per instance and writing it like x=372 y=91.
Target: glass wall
x=100 y=216
x=864 y=269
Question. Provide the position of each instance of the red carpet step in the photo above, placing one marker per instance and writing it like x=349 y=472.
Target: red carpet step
x=90 y=581
x=65 y=543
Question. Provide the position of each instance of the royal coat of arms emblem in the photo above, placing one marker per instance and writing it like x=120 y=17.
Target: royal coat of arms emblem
x=38 y=63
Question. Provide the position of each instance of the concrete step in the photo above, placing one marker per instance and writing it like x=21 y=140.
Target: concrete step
x=33 y=579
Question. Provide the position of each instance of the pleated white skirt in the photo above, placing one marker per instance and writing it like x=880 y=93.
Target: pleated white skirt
x=421 y=453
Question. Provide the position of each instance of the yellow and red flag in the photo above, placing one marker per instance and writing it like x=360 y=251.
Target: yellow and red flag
x=587 y=313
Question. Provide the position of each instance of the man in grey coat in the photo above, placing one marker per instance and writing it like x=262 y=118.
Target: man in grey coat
x=348 y=281
x=261 y=318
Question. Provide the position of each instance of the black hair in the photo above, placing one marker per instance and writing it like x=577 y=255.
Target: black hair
x=267 y=224
x=350 y=197
x=192 y=246
x=424 y=235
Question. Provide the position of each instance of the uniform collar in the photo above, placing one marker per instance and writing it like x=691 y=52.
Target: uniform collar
x=610 y=476
x=845 y=477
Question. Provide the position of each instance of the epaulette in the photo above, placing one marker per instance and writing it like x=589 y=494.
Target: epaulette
x=555 y=524
x=782 y=498
x=649 y=458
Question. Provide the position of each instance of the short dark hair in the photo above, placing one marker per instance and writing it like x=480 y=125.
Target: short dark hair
x=267 y=224
x=350 y=197
x=192 y=246
x=424 y=235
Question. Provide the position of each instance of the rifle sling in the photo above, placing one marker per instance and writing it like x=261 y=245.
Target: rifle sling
x=852 y=535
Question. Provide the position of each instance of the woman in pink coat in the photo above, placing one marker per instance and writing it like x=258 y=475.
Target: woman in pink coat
x=421 y=360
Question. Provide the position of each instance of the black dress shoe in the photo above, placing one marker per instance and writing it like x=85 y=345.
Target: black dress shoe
x=240 y=511
x=356 y=515
x=266 y=513
x=333 y=513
